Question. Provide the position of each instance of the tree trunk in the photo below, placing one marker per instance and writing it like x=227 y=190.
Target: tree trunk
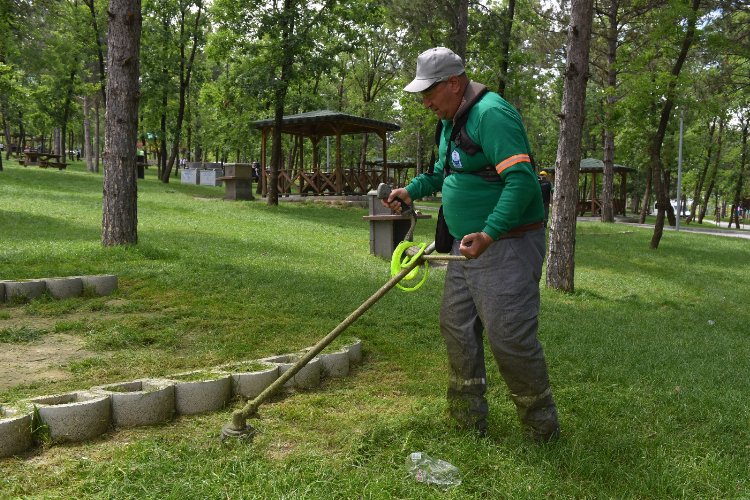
x=460 y=34
x=185 y=72
x=711 y=175
x=287 y=60
x=744 y=121
x=120 y=207
x=702 y=174
x=609 y=135
x=505 y=46
x=100 y=54
x=98 y=136
x=87 y=146
x=561 y=252
x=656 y=144
x=6 y=130
x=66 y=113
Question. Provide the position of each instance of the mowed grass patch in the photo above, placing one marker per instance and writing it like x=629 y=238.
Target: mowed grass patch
x=648 y=358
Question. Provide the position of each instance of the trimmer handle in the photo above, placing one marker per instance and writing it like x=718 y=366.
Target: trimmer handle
x=384 y=191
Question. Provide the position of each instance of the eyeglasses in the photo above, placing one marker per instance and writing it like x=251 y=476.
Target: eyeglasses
x=429 y=90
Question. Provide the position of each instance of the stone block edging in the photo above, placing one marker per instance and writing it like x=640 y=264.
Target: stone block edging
x=140 y=402
x=15 y=431
x=24 y=290
x=249 y=379
x=307 y=378
x=59 y=288
x=64 y=288
x=82 y=415
x=74 y=416
x=201 y=391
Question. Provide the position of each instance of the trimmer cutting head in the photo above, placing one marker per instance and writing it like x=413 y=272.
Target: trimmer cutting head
x=246 y=433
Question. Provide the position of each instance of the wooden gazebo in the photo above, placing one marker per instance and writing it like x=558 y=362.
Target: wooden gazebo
x=314 y=180
x=588 y=187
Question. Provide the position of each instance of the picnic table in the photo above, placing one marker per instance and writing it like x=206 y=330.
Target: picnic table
x=43 y=160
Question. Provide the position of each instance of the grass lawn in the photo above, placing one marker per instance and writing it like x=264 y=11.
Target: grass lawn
x=649 y=359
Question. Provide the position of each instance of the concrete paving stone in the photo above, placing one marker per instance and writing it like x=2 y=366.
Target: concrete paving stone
x=64 y=288
x=100 y=284
x=24 y=290
x=15 y=431
x=210 y=392
x=250 y=378
x=140 y=402
x=74 y=416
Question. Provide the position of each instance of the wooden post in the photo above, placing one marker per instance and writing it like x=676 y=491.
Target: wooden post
x=263 y=181
x=593 y=192
x=339 y=171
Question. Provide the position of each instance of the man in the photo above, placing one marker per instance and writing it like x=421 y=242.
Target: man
x=493 y=206
x=546 y=186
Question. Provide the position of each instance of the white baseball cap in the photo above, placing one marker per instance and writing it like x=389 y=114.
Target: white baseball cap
x=433 y=66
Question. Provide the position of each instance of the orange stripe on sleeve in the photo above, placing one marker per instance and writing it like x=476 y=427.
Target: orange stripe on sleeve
x=509 y=162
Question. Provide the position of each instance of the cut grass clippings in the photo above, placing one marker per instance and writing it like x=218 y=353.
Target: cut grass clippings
x=648 y=358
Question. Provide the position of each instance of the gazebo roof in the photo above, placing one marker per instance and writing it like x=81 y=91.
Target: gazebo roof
x=592 y=165
x=326 y=123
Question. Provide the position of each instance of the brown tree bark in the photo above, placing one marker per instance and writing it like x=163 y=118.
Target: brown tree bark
x=87 y=144
x=287 y=61
x=510 y=13
x=702 y=174
x=744 y=121
x=561 y=251
x=120 y=210
x=662 y=198
x=609 y=135
x=459 y=10
x=100 y=52
x=186 y=68
x=711 y=175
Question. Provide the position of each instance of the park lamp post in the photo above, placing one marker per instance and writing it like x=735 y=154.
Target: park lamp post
x=679 y=173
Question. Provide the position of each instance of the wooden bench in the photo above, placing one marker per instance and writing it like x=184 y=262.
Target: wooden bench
x=57 y=165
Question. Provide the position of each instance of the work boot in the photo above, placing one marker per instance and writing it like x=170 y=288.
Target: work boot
x=468 y=411
x=543 y=427
x=538 y=415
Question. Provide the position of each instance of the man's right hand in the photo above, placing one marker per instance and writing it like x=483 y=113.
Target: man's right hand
x=393 y=203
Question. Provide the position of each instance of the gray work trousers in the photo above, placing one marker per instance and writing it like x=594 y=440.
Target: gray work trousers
x=499 y=292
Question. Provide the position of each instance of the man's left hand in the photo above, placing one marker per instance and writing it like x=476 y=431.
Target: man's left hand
x=474 y=244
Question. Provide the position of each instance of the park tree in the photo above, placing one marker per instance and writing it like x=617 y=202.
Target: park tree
x=282 y=35
x=655 y=147
x=616 y=23
x=191 y=26
x=120 y=207
x=561 y=249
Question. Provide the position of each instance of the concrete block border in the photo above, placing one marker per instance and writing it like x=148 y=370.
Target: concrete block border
x=15 y=431
x=64 y=288
x=307 y=378
x=83 y=415
x=250 y=378
x=59 y=288
x=74 y=416
x=201 y=391
x=355 y=351
x=24 y=290
x=140 y=402
x=100 y=284
x=336 y=364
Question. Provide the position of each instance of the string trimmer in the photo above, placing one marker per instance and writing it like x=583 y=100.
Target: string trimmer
x=403 y=267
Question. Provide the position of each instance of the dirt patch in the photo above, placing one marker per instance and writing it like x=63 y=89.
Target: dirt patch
x=39 y=361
